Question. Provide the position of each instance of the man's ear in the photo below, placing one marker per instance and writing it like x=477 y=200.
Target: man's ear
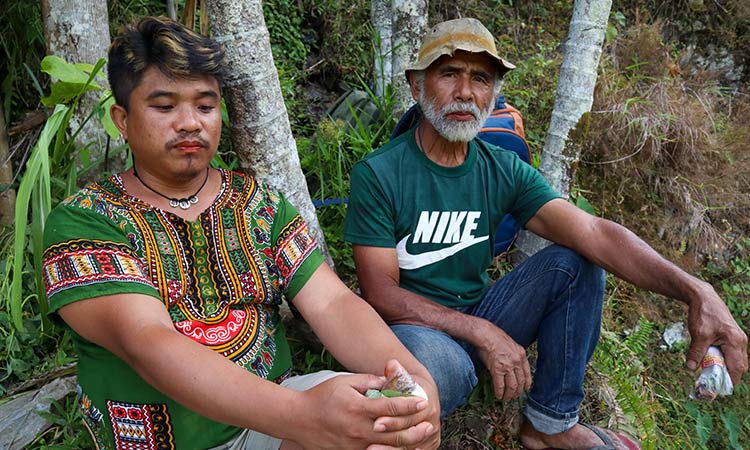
x=120 y=118
x=413 y=85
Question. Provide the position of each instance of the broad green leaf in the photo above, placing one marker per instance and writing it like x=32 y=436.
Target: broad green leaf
x=611 y=33
x=703 y=426
x=620 y=18
x=732 y=427
x=584 y=204
x=57 y=67
x=63 y=92
x=86 y=67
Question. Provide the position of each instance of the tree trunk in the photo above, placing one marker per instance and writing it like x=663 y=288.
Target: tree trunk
x=409 y=27
x=78 y=32
x=172 y=9
x=399 y=26
x=574 y=96
x=260 y=128
x=382 y=22
x=7 y=195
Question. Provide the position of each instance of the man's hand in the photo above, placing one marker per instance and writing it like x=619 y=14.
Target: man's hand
x=711 y=323
x=506 y=361
x=396 y=422
x=337 y=415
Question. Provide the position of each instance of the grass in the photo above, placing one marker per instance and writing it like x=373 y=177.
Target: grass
x=678 y=146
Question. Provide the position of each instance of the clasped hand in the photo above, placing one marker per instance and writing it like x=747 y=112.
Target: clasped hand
x=339 y=416
x=506 y=361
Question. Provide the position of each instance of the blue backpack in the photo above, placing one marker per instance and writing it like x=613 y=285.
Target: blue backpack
x=504 y=128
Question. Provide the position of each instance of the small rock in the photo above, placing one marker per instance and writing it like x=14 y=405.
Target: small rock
x=19 y=421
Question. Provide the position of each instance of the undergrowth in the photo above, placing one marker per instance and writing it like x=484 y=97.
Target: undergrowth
x=667 y=156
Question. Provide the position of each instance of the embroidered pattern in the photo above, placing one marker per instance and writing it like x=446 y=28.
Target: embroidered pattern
x=293 y=246
x=140 y=427
x=92 y=418
x=83 y=262
x=220 y=277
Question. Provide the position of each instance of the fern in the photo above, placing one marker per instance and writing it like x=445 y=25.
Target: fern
x=638 y=341
x=619 y=361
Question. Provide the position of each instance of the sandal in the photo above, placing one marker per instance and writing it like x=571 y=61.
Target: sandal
x=608 y=444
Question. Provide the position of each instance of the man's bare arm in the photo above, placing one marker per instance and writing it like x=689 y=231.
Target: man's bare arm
x=359 y=339
x=621 y=252
x=138 y=329
x=378 y=274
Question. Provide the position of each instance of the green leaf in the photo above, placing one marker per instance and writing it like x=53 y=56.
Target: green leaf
x=611 y=33
x=63 y=92
x=58 y=68
x=584 y=204
x=35 y=181
x=732 y=427
x=620 y=18
x=703 y=426
x=106 y=118
x=86 y=67
x=392 y=393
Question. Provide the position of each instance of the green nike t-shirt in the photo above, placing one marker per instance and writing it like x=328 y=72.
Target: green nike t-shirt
x=441 y=220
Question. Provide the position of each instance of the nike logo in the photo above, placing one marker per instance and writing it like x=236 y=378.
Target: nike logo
x=408 y=261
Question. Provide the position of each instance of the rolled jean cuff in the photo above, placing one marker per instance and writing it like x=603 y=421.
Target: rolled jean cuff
x=548 y=421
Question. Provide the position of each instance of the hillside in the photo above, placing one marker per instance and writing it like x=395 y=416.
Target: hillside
x=665 y=152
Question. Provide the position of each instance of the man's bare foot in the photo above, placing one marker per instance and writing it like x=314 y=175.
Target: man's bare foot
x=577 y=438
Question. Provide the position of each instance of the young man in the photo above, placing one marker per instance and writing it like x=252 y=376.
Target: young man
x=421 y=216
x=170 y=275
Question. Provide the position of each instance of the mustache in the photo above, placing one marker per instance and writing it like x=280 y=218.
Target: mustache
x=186 y=137
x=469 y=107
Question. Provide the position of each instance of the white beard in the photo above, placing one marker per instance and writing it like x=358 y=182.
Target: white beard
x=454 y=130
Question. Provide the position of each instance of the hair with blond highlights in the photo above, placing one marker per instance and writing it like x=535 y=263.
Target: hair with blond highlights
x=161 y=42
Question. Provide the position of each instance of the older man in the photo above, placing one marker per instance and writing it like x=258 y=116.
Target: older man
x=421 y=217
x=170 y=275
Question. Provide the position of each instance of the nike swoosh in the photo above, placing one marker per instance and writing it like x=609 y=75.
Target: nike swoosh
x=408 y=261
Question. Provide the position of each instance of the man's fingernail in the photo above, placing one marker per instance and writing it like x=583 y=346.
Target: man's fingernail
x=430 y=428
x=421 y=405
x=692 y=365
x=379 y=426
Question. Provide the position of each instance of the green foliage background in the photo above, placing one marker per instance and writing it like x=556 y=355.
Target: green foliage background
x=324 y=47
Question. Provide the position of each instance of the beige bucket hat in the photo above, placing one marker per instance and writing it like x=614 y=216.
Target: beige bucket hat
x=459 y=34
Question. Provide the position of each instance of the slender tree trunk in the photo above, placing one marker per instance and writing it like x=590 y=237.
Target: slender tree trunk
x=575 y=94
x=172 y=9
x=261 y=133
x=399 y=26
x=78 y=31
x=409 y=27
x=7 y=195
x=382 y=22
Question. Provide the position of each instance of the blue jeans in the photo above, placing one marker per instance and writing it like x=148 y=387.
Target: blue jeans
x=554 y=298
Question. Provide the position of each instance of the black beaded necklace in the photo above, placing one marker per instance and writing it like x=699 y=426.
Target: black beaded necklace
x=174 y=202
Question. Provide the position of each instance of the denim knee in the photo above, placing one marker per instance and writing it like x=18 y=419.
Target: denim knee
x=448 y=363
x=582 y=271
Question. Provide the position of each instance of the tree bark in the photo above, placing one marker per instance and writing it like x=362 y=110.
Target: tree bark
x=382 y=22
x=574 y=96
x=172 y=9
x=260 y=128
x=78 y=31
x=409 y=27
x=7 y=195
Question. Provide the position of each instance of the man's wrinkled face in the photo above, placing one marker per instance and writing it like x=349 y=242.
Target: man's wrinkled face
x=457 y=94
